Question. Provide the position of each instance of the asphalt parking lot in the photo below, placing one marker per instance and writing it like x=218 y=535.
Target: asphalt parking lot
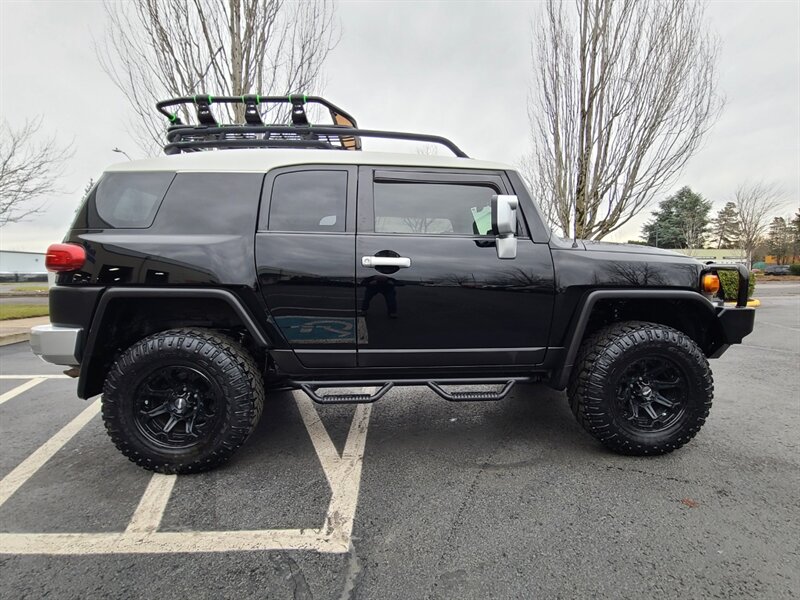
x=414 y=497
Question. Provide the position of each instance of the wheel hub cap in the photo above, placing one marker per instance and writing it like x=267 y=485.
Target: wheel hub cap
x=176 y=406
x=651 y=395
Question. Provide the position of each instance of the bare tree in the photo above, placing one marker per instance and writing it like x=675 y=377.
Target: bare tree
x=624 y=92
x=30 y=168
x=756 y=201
x=428 y=150
x=157 y=49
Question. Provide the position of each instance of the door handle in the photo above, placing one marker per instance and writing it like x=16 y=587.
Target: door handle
x=385 y=261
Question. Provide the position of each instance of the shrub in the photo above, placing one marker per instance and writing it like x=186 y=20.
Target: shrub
x=794 y=269
x=729 y=280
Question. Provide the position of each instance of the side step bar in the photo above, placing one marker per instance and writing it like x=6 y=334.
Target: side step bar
x=312 y=387
x=311 y=390
x=472 y=396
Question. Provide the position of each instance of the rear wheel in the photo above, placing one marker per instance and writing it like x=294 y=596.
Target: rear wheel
x=182 y=401
x=641 y=388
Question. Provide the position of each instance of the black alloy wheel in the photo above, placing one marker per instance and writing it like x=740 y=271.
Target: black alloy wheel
x=177 y=406
x=183 y=400
x=651 y=394
x=641 y=388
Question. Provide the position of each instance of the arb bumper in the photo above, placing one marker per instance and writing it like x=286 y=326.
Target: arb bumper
x=736 y=323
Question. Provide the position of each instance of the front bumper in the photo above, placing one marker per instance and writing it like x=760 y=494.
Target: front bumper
x=56 y=344
x=736 y=323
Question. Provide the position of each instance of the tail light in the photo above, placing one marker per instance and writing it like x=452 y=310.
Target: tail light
x=64 y=257
x=710 y=283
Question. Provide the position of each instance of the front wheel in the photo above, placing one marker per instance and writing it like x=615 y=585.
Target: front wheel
x=641 y=388
x=182 y=401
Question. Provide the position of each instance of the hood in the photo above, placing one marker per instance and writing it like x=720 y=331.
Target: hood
x=594 y=246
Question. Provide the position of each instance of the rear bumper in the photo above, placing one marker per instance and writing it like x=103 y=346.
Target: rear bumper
x=56 y=344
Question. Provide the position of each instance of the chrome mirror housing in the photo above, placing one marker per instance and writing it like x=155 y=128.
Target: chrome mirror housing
x=504 y=224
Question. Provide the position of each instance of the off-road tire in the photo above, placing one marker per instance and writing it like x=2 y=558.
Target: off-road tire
x=222 y=359
x=601 y=362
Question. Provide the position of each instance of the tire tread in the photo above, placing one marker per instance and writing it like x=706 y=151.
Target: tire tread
x=593 y=362
x=243 y=411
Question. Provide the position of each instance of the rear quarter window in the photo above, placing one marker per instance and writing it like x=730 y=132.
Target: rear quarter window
x=221 y=203
x=130 y=200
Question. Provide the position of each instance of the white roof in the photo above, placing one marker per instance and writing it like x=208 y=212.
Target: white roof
x=261 y=160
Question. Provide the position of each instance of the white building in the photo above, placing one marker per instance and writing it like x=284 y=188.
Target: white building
x=22 y=266
x=730 y=256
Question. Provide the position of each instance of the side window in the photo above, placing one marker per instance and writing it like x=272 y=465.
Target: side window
x=308 y=201
x=433 y=208
x=130 y=200
x=211 y=203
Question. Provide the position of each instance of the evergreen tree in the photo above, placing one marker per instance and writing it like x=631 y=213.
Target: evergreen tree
x=795 y=236
x=725 y=227
x=681 y=221
x=778 y=240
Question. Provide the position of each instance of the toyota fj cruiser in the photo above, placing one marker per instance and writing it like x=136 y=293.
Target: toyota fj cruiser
x=190 y=284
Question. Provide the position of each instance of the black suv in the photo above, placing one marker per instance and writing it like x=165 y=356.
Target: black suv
x=190 y=284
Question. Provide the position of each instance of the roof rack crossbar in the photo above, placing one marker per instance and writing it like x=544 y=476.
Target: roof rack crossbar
x=177 y=134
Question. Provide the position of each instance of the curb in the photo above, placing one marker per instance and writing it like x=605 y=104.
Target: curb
x=753 y=303
x=14 y=331
x=14 y=338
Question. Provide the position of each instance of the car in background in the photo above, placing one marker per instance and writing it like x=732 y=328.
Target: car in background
x=776 y=270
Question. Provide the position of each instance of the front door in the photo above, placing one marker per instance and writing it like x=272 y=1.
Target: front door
x=431 y=290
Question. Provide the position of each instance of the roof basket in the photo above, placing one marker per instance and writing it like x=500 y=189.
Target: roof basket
x=207 y=133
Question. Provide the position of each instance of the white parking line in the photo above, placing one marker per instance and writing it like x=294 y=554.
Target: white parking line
x=20 y=388
x=323 y=445
x=166 y=542
x=142 y=536
x=40 y=376
x=28 y=467
x=344 y=499
x=151 y=507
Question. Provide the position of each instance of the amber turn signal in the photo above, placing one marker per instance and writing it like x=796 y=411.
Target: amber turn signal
x=710 y=283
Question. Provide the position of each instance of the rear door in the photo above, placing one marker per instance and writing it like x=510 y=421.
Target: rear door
x=449 y=301
x=305 y=258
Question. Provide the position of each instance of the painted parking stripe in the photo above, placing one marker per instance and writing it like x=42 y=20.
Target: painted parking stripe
x=21 y=388
x=28 y=467
x=323 y=445
x=141 y=535
x=170 y=542
x=39 y=376
x=151 y=507
x=344 y=498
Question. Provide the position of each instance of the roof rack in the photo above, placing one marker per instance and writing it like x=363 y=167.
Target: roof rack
x=343 y=134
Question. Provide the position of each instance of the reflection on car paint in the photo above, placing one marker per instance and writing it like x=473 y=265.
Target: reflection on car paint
x=316 y=330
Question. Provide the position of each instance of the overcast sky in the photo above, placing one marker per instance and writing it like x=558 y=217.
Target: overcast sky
x=457 y=69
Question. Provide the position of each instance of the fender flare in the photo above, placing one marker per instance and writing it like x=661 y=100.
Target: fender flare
x=116 y=293
x=560 y=377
